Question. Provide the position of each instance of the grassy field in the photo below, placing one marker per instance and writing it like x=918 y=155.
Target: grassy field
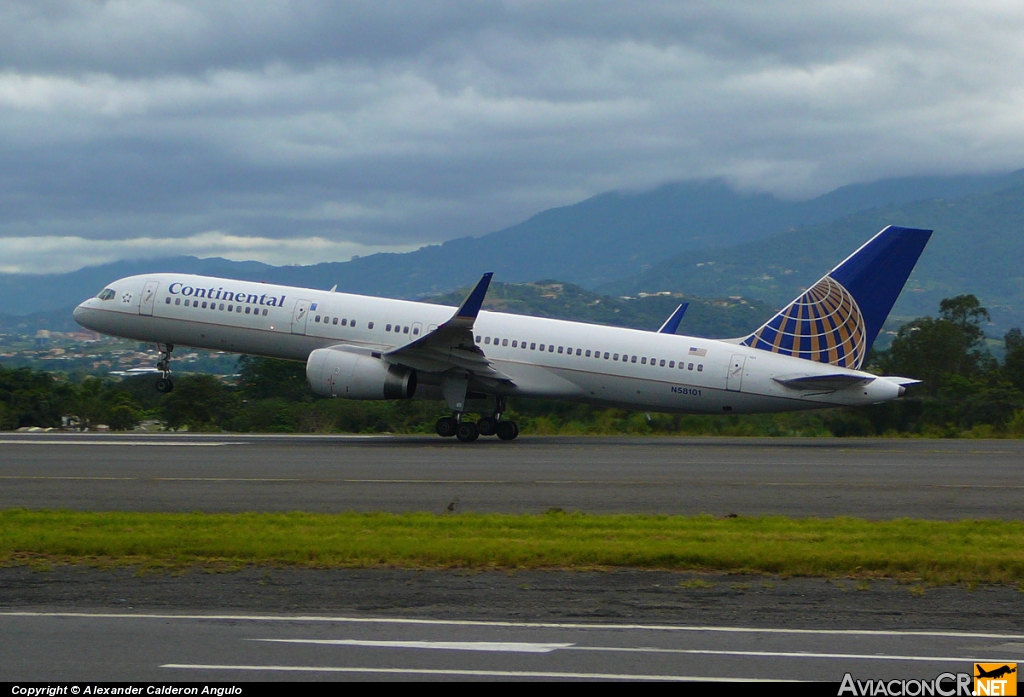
x=986 y=551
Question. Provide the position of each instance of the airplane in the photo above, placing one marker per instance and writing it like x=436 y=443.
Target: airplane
x=808 y=356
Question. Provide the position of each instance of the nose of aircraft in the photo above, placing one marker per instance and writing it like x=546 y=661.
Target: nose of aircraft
x=83 y=313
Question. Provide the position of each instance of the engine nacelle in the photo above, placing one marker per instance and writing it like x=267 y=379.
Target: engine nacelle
x=356 y=376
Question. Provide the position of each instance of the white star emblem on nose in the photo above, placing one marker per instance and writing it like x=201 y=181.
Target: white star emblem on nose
x=126 y=298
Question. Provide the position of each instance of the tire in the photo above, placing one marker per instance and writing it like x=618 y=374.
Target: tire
x=487 y=426
x=467 y=432
x=446 y=427
x=507 y=430
x=164 y=385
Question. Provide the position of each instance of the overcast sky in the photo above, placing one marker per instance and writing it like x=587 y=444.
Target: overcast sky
x=298 y=132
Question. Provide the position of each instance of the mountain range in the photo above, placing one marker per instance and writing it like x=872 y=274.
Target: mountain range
x=698 y=238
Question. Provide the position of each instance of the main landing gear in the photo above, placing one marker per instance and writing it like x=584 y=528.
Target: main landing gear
x=164 y=384
x=467 y=431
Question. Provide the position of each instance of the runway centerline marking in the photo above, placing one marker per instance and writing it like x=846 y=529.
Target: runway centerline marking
x=500 y=482
x=524 y=647
x=495 y=646
x=139 y=443
x=530 y=625
x=467 y=673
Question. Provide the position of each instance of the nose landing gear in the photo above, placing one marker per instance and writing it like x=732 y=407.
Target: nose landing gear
x=164 y=384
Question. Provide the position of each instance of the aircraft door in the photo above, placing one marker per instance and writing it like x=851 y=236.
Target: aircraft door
x=148 y=298
x=300 y=316
x=734 y=380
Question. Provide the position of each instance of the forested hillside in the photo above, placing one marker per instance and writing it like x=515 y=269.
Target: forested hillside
x=977 y=247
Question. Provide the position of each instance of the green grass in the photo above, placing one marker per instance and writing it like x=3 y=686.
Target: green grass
x=988 y=551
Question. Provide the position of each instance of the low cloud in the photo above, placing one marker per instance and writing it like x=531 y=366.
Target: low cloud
x=59 y=254
x=391 y=125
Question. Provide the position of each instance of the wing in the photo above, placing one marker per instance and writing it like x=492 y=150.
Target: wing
x=451 y=345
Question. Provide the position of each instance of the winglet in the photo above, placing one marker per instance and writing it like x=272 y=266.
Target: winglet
x=470 y=307
x=672 y=323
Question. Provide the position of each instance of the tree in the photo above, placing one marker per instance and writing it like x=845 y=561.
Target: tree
x=932 y=349
x=1013 y=365
x=201 y=402
x=265 y=378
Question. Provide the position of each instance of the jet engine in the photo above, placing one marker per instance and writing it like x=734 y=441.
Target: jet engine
x=357 y=376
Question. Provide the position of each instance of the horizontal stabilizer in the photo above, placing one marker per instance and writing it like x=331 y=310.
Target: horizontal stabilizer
x=821 y=383
x=672 y=323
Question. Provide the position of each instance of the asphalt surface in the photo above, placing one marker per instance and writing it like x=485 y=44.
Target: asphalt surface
x=72 y=623
x=242 y=648
x=868 y=478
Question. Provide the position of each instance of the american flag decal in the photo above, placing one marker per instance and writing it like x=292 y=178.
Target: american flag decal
x=697 y=351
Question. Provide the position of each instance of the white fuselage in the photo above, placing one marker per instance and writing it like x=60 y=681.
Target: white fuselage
x=580 y=362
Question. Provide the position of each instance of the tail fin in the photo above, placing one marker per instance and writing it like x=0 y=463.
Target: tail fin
x=838 y=318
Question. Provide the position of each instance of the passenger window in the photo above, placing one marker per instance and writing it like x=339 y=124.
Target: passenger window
x=588 y=353
x=661 y=364
x=368 y=326
x=478 y=340
x=168 y=299
x=579 y=352
x=615 y=357
x=222 y=306
x=264 y=312
x=405 y=330
x=204 y=304
x=387 y=328
x=353 y=323
x=335 y=321
x=504 y=342
x=671 y=364
x=187 y=303
x=415 y=331
x=515 y=344
x=700 y=367
x=177 y=301
x=542 y=347
x=690 y=367
x=606 y=355
x=487 y=340
x=560 y=349
x=247 y=311
x=633 y=359
x=533 y=347
x=644 y=360
x=551 y=348
x=315 y=319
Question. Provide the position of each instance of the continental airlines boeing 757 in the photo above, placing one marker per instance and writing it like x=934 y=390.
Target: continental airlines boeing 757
x=807 y=356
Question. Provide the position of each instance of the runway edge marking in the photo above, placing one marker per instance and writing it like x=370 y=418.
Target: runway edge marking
x=489 y=623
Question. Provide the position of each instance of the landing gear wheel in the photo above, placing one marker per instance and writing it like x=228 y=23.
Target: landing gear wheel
x=467 y=432
x=508 y=430
x=446 y=427
x=164 y=385
x=487 y=426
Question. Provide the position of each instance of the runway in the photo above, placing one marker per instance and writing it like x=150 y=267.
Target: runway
x=234 y=647
x=868 y=478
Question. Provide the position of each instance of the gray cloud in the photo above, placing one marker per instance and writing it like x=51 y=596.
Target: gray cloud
x=385 y=125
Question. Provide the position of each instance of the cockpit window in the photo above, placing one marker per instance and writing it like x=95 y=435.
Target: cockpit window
x=106 y=294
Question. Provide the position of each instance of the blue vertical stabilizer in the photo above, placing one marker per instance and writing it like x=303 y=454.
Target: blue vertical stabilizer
x=837 y=320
